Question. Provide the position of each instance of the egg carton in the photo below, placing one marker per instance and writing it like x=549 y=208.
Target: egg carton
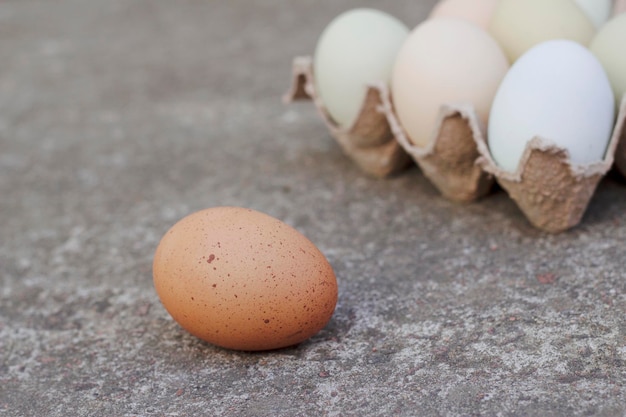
x=369 y=141
x=552 y=192
x=377 y=143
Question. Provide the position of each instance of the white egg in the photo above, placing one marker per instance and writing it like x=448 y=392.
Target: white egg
x=558 y=91
x=598 y=11
x=357 y=48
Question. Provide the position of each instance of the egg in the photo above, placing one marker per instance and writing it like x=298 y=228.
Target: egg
x=620 y=7
x=520 y=25
x=357 y=48
x=598 y=11
x=478 y=12
x=243 y=280
x=609 y=46
x=558 y=91
x=444 y=61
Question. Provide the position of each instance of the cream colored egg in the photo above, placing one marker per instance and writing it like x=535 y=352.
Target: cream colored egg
x=243 y=280
x=478 y=12
x=444 y=61
x=609 y=46
x=519 y=25
x=357 y=48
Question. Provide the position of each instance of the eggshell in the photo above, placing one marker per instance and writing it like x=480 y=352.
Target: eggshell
x=557 y=91
x=519 y=25
x=598 y=11
x=241 y=279
x=478 y=12
x=444 y=61
x=358 y=47
x=609 y=46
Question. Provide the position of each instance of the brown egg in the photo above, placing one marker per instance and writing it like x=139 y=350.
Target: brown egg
x=243 y=280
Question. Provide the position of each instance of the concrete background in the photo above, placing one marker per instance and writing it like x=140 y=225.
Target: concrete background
x=119 y=117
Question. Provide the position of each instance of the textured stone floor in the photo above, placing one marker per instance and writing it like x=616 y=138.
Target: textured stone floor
x=119 y=117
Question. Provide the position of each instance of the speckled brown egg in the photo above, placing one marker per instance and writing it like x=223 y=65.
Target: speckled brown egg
x=241 y=279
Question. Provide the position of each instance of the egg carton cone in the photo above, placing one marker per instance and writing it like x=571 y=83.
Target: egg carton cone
x=369 y=141
x=449 y=161
x=620 y=155
x=551 y=191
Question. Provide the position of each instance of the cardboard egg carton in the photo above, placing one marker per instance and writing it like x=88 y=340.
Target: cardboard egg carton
x=369 y=141
x=552 y=192
x=378 y=144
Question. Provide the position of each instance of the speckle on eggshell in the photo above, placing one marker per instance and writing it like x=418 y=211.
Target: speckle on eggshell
x=243 y=280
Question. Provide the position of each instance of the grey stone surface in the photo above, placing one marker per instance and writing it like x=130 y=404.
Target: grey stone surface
x=119 y=117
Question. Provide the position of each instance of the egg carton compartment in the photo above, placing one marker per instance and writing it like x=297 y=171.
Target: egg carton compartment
x=551 y=191
x=449 y=161
x=369 y=141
